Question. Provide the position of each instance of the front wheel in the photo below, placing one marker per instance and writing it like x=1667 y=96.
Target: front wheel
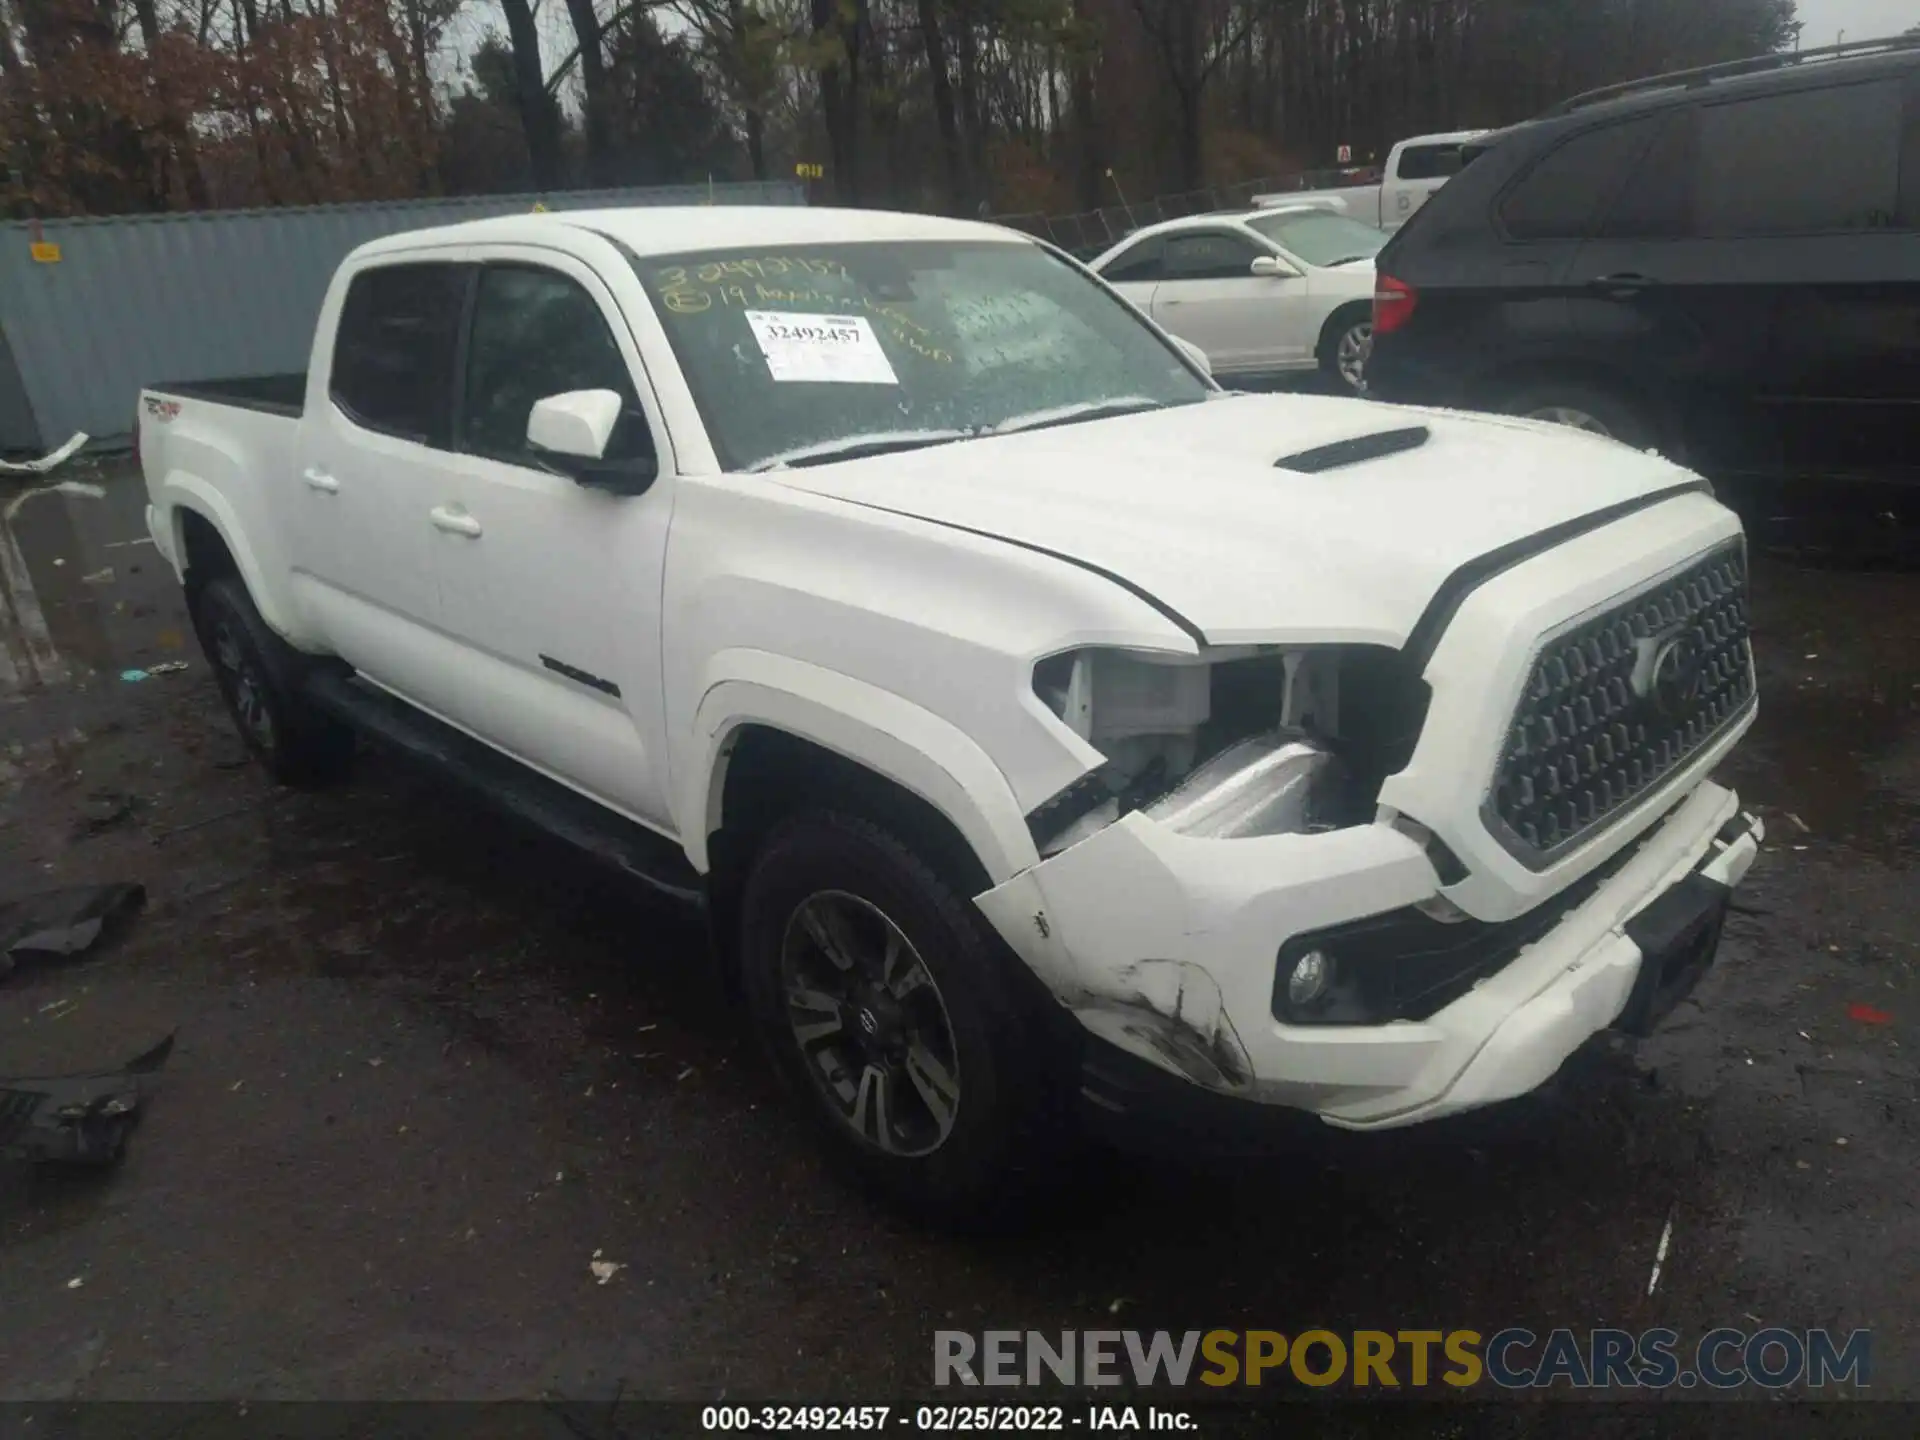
x=1345 y=347
x=888 y=1008
x=1352 y=348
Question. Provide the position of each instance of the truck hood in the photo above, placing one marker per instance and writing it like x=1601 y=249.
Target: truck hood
x=1186 y=505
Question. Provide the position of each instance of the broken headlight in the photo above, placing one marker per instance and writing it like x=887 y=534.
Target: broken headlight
x=1267 y=785
x=1227 y=744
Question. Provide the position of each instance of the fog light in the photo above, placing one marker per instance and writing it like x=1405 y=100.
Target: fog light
x=1311 y=977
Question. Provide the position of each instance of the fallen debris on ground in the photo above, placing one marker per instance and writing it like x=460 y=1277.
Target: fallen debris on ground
x=49 y=461
x=63 y=922
x=77 y=1119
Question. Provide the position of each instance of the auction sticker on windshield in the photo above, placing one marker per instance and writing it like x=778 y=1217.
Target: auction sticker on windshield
x=836 y=349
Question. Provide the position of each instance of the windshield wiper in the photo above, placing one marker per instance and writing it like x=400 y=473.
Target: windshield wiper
x=1074 y=414
x=1334 y=264
x=856 y=447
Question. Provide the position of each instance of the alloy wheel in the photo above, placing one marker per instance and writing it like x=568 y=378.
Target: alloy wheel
x=1353 y=352
x=245 y=688
x=872 y=1028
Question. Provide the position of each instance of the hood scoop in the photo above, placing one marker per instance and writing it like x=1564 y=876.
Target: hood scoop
x=1356 y=451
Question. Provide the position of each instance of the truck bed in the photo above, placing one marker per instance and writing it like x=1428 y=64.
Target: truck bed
x=271 y=394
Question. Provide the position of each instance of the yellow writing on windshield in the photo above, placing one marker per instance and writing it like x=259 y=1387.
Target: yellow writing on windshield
x=770 y=267
x=697 y=289
x=772 y=294
x=920 y=347
x=687 y=289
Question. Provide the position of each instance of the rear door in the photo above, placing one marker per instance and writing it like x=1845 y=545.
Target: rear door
x=1552 y=209
x=1494 y=311
x=1245 y=322
x=376 y=431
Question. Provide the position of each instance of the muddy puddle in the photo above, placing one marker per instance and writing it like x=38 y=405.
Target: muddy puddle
x=81 y=585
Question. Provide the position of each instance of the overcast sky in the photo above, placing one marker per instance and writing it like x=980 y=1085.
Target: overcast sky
x=1861 y=19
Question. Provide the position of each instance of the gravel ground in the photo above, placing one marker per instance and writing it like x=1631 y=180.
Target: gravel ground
x=428 y=1067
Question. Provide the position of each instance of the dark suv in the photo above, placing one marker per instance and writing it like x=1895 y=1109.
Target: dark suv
x=1723 y=264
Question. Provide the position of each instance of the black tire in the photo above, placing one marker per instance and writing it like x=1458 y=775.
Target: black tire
x=259 y=678
x=1339 y=325
x=1005 y=1147
x=1612 y=413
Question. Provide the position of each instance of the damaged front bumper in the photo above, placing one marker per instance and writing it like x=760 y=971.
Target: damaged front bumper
x=1168 y=949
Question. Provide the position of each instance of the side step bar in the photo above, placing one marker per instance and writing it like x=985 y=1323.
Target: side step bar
x=524 y=794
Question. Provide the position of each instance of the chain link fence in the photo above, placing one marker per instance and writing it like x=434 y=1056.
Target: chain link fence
x=1090 y=232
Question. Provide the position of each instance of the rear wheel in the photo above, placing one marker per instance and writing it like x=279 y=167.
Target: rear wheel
x=888 y=1008
x=258 y=674
x=1580 y=405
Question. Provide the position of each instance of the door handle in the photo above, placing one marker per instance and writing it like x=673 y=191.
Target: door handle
x=454 y=522
x=321 y=481
x=1626 y=283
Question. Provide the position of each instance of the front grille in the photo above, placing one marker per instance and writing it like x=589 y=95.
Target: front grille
x=1616 y=704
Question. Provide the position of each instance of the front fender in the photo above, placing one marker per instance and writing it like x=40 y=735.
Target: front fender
x=872 y=727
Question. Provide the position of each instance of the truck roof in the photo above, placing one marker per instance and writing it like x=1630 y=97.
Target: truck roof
x=675 y=229
x=1450 y=137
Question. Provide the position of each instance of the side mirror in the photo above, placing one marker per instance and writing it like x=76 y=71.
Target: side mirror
x=569 y=433
x=1271 y=266
x=576 y=425
x=1194 y=353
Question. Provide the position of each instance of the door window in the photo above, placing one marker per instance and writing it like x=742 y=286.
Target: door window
x=1564 y=195
x=1139 y=266
x=394 y=347
x=1209 y=255
x=537 y=333
x=1809 y=162
x=1657 y=203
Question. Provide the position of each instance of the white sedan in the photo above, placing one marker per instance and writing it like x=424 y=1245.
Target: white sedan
x=1271 y=291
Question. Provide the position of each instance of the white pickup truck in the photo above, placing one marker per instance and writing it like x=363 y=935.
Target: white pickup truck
x=1415 y=170
x=1053 y=736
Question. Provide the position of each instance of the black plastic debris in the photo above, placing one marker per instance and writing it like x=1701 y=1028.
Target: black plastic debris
x=63 y=922
x=77 y=1119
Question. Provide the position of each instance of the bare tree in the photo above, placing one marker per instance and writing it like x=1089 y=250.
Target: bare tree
x=933 y=41
x=1192 y=38
x=539 y=115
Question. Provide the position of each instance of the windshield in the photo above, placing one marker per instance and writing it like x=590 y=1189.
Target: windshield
x=1320 y=237
x=808 y=353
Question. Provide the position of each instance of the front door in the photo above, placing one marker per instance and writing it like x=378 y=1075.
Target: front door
x=553 y=589
x=375 y=437
x=1137 y=271
x=1245 y=322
